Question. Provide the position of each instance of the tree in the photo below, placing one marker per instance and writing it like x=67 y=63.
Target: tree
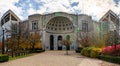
x=34 y=39
x=90 y=39
x=0 y=45
x=67 y=44
x=109 y=38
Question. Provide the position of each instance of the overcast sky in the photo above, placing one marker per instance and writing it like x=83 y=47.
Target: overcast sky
x=94 y=8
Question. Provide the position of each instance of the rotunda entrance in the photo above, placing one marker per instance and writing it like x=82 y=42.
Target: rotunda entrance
x=58 y=26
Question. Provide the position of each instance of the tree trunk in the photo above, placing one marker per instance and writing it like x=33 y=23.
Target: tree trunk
x=66 y=50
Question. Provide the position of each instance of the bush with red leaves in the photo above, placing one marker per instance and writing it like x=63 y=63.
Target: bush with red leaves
x=111 y=50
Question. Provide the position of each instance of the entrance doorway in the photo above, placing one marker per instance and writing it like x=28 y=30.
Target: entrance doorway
x=51 y=42
x=59 y=44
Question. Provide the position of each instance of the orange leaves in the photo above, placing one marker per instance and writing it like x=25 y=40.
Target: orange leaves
x=38 y=45
x=35 y=40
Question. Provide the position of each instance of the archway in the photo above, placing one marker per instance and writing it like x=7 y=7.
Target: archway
x=51 y=42
x=59 y=44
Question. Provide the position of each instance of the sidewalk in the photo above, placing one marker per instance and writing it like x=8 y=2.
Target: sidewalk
x=96 y=62
x=57 y=58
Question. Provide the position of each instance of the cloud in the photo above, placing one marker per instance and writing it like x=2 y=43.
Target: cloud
x=99 y=7
x=9 y=4
x=94 y=8
x=54 y=6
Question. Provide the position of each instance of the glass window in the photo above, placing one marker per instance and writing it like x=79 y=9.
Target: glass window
x=34 y=24
x=52 y=28
x=59 y=28
x=63 y=28
x=55 y=28
x=67 y=28
x=85 y=27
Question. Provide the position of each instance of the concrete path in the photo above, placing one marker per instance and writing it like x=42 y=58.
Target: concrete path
x=57 y=58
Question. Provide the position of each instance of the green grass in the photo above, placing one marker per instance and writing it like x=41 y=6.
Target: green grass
x=18 y=57
x=23 y=56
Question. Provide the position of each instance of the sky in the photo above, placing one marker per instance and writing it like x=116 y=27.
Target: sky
x=94 y=8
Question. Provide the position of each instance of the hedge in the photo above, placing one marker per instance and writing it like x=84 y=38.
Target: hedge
x=110 y=58
x=4 y=58
x=36 y=51
x=78 y=50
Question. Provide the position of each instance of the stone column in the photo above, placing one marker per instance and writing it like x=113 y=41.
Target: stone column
x=63 y=38
x=55 y=42
x=47 y=41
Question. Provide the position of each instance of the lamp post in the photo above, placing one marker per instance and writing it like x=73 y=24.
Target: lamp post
x=3 y=50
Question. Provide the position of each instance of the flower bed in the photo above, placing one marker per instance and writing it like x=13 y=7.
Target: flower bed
x=111 y=50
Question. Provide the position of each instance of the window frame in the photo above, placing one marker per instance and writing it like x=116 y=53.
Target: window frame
x=84 y=26
x=34 y=24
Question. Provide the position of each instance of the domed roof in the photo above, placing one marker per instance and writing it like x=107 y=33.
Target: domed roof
x=59 y=25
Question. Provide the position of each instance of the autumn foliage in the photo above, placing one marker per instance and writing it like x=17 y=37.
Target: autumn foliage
x=35 y=40
x=32 y=42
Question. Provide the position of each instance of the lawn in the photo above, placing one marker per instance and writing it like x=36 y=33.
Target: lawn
x=18 y=57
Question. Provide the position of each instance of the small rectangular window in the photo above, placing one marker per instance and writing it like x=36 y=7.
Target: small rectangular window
x=85 y=27
x=35 y=25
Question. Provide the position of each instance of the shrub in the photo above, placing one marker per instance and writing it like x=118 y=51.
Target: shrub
x=83 y=51
x=79 y=50
x=95 y=52
x=4 y=58
x=91 y=51
x=88 y=51
x=36 y=51
x=110 y=58
x=111 y=50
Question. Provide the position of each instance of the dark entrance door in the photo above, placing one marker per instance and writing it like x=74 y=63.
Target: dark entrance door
x=51 y=42
x=59 y=45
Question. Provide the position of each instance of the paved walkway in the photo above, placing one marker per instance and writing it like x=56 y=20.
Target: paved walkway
x=57 y=58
